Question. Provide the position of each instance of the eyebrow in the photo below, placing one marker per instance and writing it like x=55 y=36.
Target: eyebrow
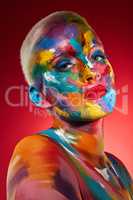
x=60 y=53
x=78 y=52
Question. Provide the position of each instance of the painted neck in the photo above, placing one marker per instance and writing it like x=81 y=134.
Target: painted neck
x=87 y=138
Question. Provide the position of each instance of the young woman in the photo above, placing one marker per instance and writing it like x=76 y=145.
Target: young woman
x=68 y=73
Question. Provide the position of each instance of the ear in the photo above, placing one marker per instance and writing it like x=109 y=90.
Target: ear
x=38 y=98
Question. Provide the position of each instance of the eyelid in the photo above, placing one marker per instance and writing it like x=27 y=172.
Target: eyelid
x=98 y=52
x=95 y=49
x=60 y=59
x=61 y=63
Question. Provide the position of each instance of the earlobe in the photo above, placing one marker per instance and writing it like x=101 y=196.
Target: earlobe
x=37 y=98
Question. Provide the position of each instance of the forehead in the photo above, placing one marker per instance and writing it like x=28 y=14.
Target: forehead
x=58 y=33
x=61 y=38
x=66 y=36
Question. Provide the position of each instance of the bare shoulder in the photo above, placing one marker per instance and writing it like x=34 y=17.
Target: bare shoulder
x=122 y=172
x=34 y=150
x=118 y=165
x=39 y=170
x=34 y=158
x=34 y=143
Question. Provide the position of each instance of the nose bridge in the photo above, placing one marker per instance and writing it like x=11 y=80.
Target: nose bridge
x=87 y=74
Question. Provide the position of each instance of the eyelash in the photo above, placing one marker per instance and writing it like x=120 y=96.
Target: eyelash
x=63 y=65
x=98 y=54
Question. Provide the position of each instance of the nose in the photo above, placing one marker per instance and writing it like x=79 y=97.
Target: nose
x=87 y=75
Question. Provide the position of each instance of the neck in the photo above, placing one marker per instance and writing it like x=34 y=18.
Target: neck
x=87 y=138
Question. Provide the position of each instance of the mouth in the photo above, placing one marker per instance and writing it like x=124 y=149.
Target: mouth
x=94 y=92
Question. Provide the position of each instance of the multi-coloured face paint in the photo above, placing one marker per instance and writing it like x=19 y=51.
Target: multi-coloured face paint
x=64 y=63
x=69 y=60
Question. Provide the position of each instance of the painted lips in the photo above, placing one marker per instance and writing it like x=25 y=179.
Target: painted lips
x=95 y=92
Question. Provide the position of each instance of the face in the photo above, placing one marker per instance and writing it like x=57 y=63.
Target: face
x=75 y=75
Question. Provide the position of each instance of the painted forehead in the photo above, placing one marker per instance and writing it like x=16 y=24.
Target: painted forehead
x=66 y=35
x=63 y=36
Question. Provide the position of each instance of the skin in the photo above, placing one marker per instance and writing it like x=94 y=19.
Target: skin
x=68 y=73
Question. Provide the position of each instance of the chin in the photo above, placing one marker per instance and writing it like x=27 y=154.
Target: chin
x=94 y=110
x=90 y=113
x=90 y=110
x=85 y=114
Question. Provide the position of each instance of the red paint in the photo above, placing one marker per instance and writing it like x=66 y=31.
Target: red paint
x=95 y=92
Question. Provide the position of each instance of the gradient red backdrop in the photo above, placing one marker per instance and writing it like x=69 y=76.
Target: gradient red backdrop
x=112 y=21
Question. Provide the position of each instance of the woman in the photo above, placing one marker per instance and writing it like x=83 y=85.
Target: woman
x=68 y=73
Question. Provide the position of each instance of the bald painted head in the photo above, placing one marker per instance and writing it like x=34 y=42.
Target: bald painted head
x=64 y=63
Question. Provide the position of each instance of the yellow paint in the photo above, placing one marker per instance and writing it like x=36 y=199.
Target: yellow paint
x=86 y=73
x=60 y=112
x=88 y=36
x=44 y=56
x=92 y=111
x=112 y=74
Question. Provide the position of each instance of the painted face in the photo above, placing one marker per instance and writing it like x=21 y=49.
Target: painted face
x=76 y=77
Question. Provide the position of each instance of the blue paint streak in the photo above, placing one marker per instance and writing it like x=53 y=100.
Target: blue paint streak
x=53 y=135
x=95 y=187
x=79 y=51
x=110 y=99
x=122 y=172
x=45 y=43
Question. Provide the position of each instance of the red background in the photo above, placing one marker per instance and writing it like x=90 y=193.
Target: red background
x=112 y=22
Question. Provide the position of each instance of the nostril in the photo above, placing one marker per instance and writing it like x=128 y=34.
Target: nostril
x=98 y=76
x=89 y=78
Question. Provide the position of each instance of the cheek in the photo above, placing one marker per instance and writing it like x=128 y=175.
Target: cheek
x=74 y=99
x=108 y=101
x=75 y=69
x=112 y=75
x=106 y=72
x=103 y=69
x=62 y=82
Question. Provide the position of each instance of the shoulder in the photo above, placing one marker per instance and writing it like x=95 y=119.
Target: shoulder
x=118 y=165
x=34 y=144
x=34 y=154
x=37 y=148
x=121 y=171
x=35 y=157
x=36 y=164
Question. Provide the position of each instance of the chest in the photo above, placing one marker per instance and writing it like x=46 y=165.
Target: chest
x=82 y=182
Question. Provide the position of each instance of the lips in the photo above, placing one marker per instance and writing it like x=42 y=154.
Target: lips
x=95 y=92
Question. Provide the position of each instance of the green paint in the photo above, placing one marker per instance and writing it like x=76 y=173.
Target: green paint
x=79 y=51
x=38 y=69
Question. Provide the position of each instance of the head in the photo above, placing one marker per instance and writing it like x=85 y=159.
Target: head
x=67 y=70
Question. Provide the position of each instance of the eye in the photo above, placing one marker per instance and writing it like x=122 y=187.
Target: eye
x=98 y=56
x=63 y=65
